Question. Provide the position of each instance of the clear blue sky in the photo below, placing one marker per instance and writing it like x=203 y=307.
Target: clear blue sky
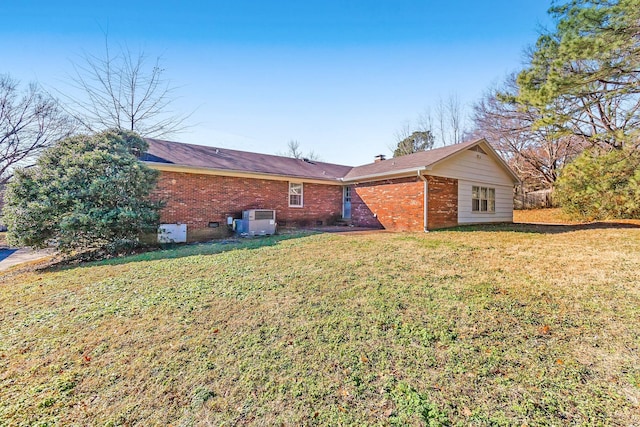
x=341 y=77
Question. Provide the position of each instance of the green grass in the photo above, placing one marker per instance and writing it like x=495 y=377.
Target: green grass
x=512 y=325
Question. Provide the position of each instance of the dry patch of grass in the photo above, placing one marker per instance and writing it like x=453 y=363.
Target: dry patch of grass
x=554 y=216
x=3 y=238
x=542 y=216
x=506 y=325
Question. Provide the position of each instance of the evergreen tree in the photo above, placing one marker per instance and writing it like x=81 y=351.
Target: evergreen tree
x=417 y=141
x=601 y=185
x=584 y=76
x=85 y=192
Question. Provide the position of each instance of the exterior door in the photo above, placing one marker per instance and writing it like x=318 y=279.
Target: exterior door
x=346 y=202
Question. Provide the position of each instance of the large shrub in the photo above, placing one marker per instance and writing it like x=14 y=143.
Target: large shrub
x=601 y=184
x=86 y=192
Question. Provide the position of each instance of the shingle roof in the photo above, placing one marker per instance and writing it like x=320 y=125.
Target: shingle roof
x=410 y=161
x=199 y=156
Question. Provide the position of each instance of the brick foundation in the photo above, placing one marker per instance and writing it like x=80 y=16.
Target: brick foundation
x=198 y=199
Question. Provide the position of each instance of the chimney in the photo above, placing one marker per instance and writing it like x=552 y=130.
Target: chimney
x=379 y=158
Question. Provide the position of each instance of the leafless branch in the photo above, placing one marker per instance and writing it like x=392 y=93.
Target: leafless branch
x=293 y=150
x=30 y=121
x=536 y=153
x=123 y=91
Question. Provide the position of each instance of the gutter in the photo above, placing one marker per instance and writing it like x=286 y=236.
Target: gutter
x=425 y=205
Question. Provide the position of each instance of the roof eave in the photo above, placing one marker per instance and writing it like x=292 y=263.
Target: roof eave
x=171 y=167
x=385 y=175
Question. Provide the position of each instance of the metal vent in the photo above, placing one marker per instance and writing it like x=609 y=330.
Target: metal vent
x=265 y=214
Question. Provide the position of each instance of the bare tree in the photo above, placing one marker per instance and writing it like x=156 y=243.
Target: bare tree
x=123 y=91
x=447 y=128
x=293 y=150
x=424 y=122
x=399 y=135
x=450 y=119
x=30 y=121
x=536 y=153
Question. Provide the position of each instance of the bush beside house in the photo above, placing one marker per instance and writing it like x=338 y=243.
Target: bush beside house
x=86 y=192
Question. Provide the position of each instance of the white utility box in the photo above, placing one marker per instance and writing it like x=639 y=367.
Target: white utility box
x=172 y=233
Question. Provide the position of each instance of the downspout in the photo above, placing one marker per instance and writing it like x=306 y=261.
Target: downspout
x=425 y=204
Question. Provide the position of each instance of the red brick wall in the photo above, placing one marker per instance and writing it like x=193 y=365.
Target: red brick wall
x=395 y=204
x=443 y=202
x=197 y=199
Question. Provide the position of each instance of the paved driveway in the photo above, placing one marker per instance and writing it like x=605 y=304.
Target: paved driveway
x=11 y=257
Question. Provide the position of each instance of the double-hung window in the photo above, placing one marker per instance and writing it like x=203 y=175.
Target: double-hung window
x=295 y=194
x=483 y=199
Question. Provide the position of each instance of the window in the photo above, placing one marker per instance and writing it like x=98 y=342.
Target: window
x=483 y=199
x=295 y=194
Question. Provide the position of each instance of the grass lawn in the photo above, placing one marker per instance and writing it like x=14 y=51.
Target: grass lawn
x=500 y=325
x=555 y=216
x=547 y=216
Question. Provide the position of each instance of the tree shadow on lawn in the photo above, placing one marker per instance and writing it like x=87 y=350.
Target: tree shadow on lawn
x=545 y=228
x=174 y=251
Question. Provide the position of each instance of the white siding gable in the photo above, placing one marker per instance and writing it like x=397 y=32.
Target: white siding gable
x=473 y=168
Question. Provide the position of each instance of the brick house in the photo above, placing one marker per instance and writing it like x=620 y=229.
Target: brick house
x=458 y=184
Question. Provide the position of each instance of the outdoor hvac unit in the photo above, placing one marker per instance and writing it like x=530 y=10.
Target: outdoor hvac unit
x=257 y=222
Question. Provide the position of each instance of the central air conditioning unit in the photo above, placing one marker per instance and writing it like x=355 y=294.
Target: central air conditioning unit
x=256 y=222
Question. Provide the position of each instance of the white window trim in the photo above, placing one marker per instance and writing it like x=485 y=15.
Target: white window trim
x=480 y=199
x=301 y=195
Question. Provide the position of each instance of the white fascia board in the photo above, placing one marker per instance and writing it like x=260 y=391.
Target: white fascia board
x=386 y=175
